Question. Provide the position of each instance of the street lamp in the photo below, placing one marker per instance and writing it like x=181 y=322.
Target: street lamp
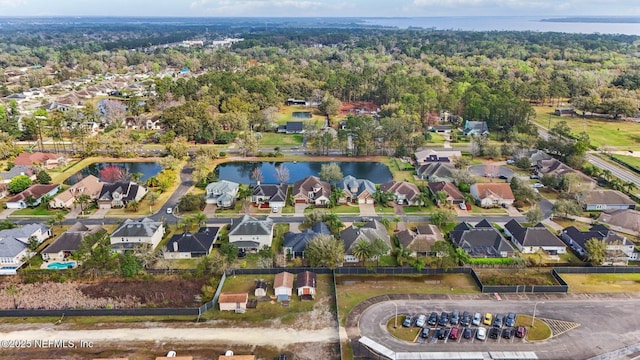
x=534 y=311
x=395 y=325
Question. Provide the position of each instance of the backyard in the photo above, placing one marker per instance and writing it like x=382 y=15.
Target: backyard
x=602 y=283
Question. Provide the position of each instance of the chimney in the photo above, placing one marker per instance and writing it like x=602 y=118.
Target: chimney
x=175 y=246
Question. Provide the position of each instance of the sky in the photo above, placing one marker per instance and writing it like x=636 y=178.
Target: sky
x=319 y=8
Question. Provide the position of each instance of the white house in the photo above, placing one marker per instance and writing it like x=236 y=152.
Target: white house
x=13 y=245
x=132 y=233
x=532 y=239
x=283 y=286
x=251 y=234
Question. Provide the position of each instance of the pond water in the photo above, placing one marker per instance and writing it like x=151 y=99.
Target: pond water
x=301 y=115
x=240 y=172
x=147 y=169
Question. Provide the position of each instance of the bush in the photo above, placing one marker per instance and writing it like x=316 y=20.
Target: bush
x=192 y=202
x=43 y=178
x=492 y=261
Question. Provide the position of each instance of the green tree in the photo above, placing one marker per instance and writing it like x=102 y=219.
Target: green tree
x=325 y=251
x=83 y=200
x=33 y=244
x=362 y=250
x=178 y=147
x=133 y=205
x=229 y=252
x=18 y=184
x=129 y=264
x=534 y=215
x=43 y=178
x=403 y=255
x=441 y=217
x=330 y=172
x=191 y=202
x=596 y=251
x=567 y=207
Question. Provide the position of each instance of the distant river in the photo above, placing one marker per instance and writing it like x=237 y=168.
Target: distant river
x=505 y=23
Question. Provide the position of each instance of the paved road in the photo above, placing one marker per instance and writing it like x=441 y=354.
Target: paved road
x=606 y=325
x=616 y=170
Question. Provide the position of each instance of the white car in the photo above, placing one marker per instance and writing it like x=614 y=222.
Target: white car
x=169 y=210
x=538 y=186
x=477 y=318
x=481 y=334
x=462 y=206
x=421 y=320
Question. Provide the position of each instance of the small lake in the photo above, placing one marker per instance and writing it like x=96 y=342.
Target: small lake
x=240 y=172
x=147 y=169
x=301 y=115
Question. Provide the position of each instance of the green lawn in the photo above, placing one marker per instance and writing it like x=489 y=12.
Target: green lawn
x=631 y=160
x=275 y=139
x=395 y=328
x=37 y=211
x=477 y=210
x=602 y=283
x=340 y=209
x=539 y=331
x=602 y=132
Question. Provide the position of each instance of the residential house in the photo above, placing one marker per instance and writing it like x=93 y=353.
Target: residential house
x=306 y=285
x=222 y=193
x=404 y=193
x=16 y=170
x=68 y=242
x=598 y=200
x=275 y=196
x=260 y=289
x=428 y=156
x=492 y=194
x=283 y=286
x=419 y=242
x=565 y=112
x=190 y=245
x=89 y=185
x=233 y=301
x=557 y=168
x=292 y=127
x=371 y=231
x=295 y=244
x=475 y=128
x=530 y=240
x=296 y=102
x=454 y=195
x=133 y=233
x=32 y=196
x=14 y=248
x=119 y=194
x=628 y=220
x=312 y=190
x=481 y=241
x=56 y=106
x=46 y=160
x=441 y=129
x=436 y=172
x=251 y=234
x=354 y=190
x=619 y=248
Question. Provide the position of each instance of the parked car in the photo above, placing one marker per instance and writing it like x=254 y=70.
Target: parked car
x=408 y=321
x=421 y=320
x=467 y=333
x=494 y=333
x=481 y=334
x=510 y=162
x=503 y=177
x=433 y=319
x=538 y=186
x=442 y=333
x=462 y=206
x=521 y=332
x=468 y=207
x=465 y=319
x=488 y=319
x=507 y=333
x=454 y=334
x=477 y=319
x=424 y=333
x=534 y=176
x=444 y=319
x=455 y=317
x=510 y=320
x=498 y=320
x=169 y=210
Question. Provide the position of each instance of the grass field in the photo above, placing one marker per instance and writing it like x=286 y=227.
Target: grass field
x=603 y=132
x=602 y=283
x=407 y=334
x=631 y=160
x=275 y=139
x=539 y=331
x=352 y=290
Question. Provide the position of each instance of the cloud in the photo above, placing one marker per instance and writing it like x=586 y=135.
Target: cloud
x=199 y=3
x=268 y=7
x=12 y=3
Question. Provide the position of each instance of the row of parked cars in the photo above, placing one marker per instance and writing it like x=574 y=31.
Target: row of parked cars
x=466 y=320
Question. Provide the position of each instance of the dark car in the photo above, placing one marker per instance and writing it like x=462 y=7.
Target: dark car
x=444 y=319
x=510 y=320
x=507 y=333
x=503 y=177
x=433 y=319
x=455 y=317
x=424 y=333
x=408 y=321
x=494 y=333
x=521 y=332
x=442 y=333
x=467 y=333
x=498 y=320
x=465 y=320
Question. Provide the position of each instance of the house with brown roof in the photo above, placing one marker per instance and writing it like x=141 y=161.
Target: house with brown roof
x=312 y=190
x=283 y=286
x=404 y=193
x=492 y=194
x=68 y=242
x=419 y=242
x=32 y=196
x=628 y=220
x=306 y=285
x=454 y=195
x=47 y=160
x=557 y=168
x=89 y=185
x=237 y=357
x=598 y=200
x=233 y=301
x=530 y=240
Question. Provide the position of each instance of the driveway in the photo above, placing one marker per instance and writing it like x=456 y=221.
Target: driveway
x=99 y=214
x=299 y=209
x=6 y=212
x=367 y=209
x=512 y=211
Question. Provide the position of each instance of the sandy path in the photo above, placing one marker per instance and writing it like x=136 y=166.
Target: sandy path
x=251 y=336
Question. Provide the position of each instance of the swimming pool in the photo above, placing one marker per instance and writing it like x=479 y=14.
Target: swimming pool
x=59 y=265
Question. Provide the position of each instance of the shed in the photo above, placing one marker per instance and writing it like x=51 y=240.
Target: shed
x=306 y=284
x=283 y=286
x=261 y=288
x=233 y=301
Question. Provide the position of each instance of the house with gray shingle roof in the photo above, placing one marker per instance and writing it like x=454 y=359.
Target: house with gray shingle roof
x=354 y=190
x=404 y=193
x=190 y=245
x=531 y=239
x=68 y=242
x=8 y=175
x=273 y=195
x=419 y=242
x=435 y=172
x=371 y=231
x=475 y=128
x=619 y=247
x=312 y=190
x=13 y=245
x=294 y=244
x=249 y=233
x=480 y=241
x=222 y=193
x=133 y=233
x=598 y=200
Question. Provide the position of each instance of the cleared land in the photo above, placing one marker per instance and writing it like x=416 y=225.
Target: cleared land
x=602 y=283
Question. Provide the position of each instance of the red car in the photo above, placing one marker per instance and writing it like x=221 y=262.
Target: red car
x=521 y=332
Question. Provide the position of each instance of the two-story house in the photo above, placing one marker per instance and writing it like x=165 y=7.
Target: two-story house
x=133 y=233
x=222 y=193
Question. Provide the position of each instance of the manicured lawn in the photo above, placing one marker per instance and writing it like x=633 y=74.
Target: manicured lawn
x=631 y=160
x=352 y=290
x=539 y=331
x=282 y=140
x=602 y=132
x=37 y=211
x=400 y=171
x=407 y=334
x=566 y=223
x=183 y=264
x=602 y=283
x=340 y=209
x=477 y=210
